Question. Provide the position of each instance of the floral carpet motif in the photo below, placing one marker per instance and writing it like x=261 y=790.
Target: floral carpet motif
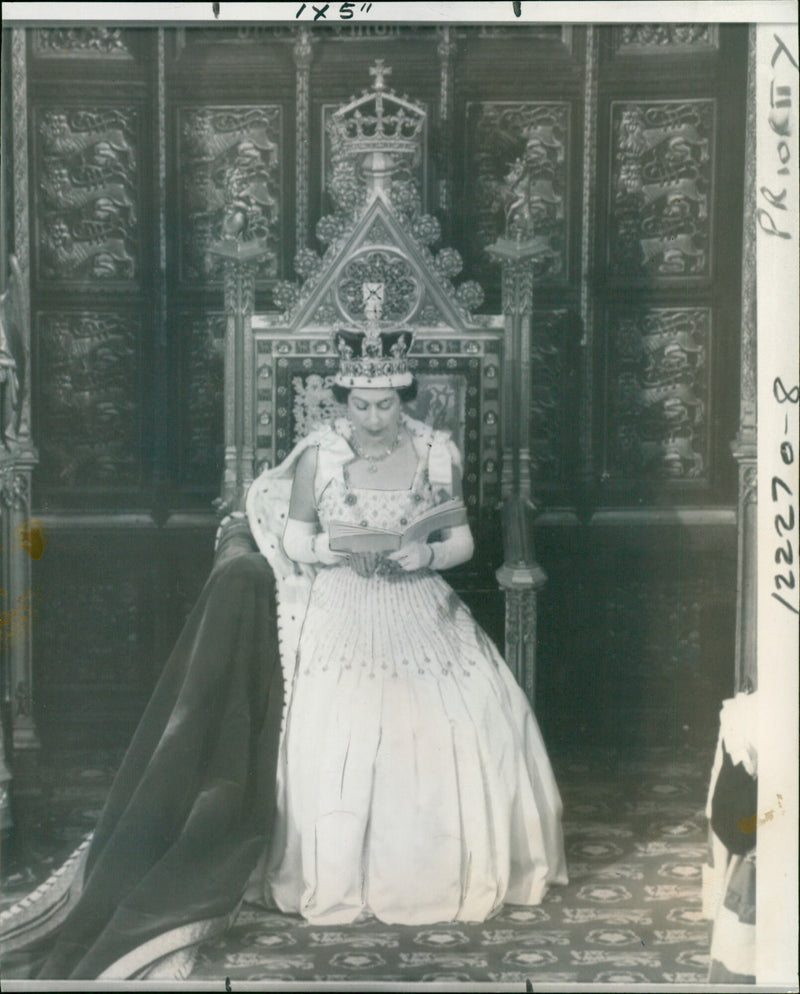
x=636 y=840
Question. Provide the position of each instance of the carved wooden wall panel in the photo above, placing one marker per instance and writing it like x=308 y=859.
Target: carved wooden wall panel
x=552 y=412
x=658 y=190
x=659 y=397
x=200 y=370
x=91 y=43
x=88 y=405
x=661 y=189
x=228 y=104
x=668 y=39
x=484 y=47
x=524 y=146
x=92 y=204
x=228 y=154
x=614 y=136
x=87 y=204
x=668 y=275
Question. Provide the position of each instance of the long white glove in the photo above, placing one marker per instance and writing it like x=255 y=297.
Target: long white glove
x=304 y=544
x=457 y=548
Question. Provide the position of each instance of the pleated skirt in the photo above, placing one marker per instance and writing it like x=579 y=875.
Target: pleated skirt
x=415 y=784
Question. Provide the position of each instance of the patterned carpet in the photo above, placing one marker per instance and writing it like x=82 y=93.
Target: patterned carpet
x=636 y=841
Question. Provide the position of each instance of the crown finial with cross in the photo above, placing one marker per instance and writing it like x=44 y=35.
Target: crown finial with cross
x=378 y=72
x=377 y=121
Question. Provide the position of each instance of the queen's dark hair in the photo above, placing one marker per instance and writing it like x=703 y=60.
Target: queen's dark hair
x=406 y=394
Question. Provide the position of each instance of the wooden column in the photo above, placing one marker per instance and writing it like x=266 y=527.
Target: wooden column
x=588 y=233
x=302 y=59
x=520 y=576
x=18 y=456
x=744 y=445
x=20 y=536
x=241 y=257
x=446 y=50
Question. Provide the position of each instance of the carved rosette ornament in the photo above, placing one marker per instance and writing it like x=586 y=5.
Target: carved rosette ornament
x=378 y=267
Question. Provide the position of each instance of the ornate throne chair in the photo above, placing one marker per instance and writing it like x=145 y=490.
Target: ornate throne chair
x=380 y=263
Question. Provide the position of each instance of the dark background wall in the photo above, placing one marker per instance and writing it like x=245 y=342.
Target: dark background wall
x=635 y=181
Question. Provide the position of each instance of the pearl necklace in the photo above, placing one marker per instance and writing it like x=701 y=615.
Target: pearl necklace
x=372 y=461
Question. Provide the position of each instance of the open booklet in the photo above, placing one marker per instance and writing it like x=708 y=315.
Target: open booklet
x=345 y=536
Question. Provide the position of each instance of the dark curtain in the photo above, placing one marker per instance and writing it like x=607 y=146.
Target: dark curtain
x=189 y=812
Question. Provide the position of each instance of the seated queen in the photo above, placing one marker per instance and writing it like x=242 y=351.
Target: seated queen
x=413 y=783
x=332 y=734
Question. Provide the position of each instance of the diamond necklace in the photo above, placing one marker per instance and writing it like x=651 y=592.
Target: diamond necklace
x=372 y=461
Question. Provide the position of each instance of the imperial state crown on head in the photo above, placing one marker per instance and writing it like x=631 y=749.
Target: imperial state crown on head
x=373 y=358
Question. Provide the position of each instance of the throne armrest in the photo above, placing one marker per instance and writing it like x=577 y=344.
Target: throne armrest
x=233 y=539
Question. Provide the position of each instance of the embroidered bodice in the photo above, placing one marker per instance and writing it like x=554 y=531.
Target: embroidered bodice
x=390 y=509
x=338 y=500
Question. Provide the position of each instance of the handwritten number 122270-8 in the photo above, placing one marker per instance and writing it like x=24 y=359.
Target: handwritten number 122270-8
x=784 y=552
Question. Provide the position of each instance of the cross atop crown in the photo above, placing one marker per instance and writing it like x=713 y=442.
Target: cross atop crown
x=378 y=71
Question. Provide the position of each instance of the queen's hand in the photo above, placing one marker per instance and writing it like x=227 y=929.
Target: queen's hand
x=415 y=555
x=364 y=563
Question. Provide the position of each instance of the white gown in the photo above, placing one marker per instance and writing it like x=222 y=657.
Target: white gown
x=415 y=782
